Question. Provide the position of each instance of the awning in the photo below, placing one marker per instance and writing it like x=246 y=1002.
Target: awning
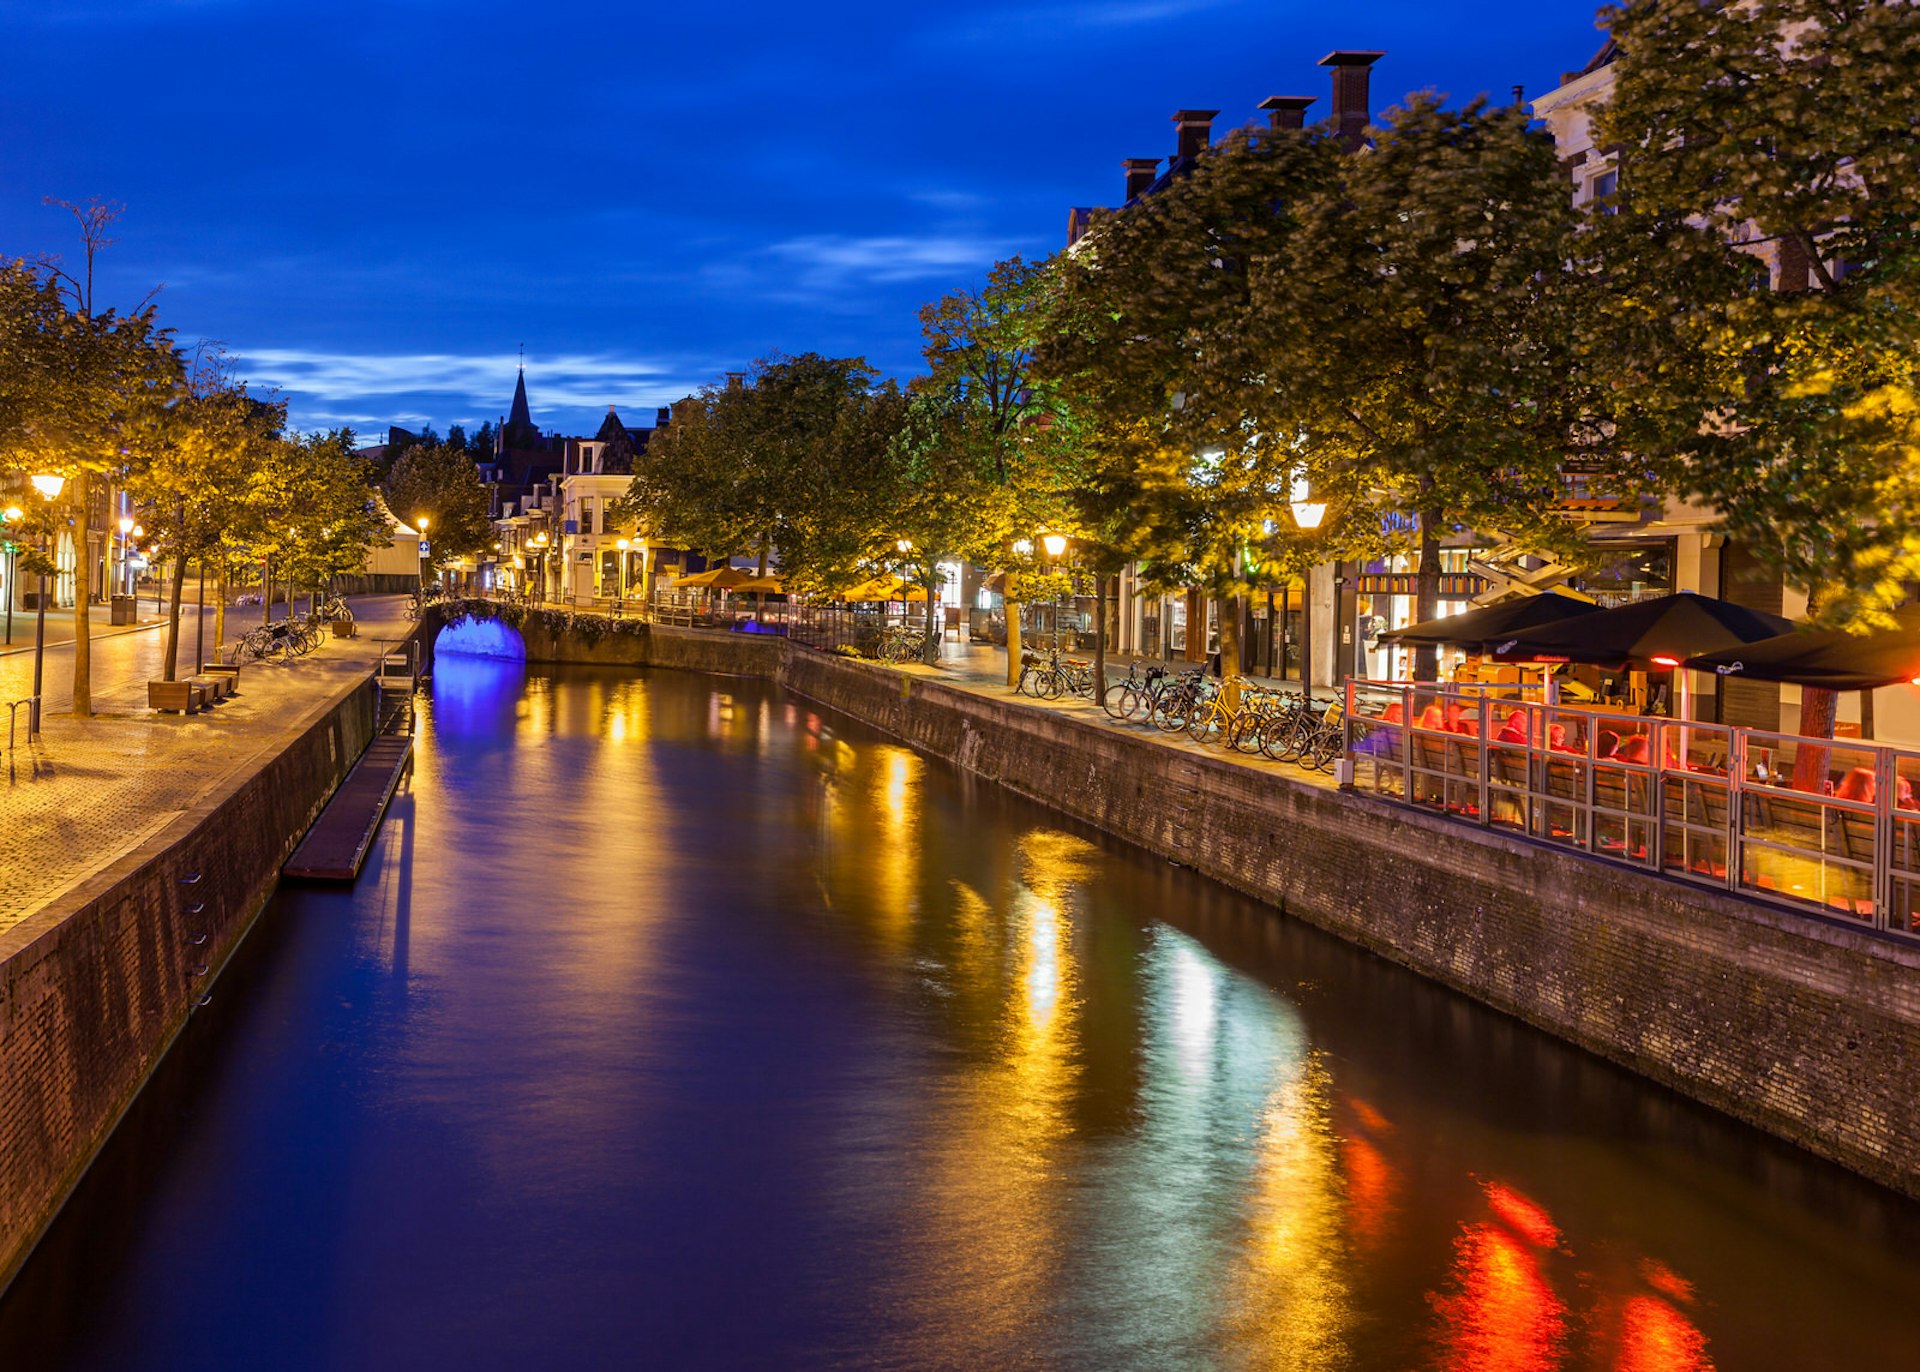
x=1647 y=635
x=717 y=578
x=1827 y=657
x=1492 y=623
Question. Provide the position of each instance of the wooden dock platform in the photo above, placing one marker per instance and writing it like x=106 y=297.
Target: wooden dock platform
x=336 y=846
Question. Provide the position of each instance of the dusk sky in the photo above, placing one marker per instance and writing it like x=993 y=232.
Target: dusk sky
x=374 y=205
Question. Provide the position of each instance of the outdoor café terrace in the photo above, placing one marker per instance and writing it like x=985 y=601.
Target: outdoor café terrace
x=1827 y=826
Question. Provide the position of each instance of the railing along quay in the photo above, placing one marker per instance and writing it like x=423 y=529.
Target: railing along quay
x=1814 y=824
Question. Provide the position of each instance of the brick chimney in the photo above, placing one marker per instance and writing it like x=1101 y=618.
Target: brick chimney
x=1195 y=130
x=1286 y=111
x=1352 y=106
x=1142 y=172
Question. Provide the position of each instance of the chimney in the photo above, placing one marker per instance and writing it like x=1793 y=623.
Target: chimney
x=1352 y=107
x=1195 y=129
x=1286 y=111
x=1142 y=172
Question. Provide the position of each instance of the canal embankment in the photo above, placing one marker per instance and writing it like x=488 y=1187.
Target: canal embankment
x=155 y=842
x=1799 y=1026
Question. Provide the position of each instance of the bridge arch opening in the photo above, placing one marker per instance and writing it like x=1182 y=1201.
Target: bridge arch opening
x=469 y=636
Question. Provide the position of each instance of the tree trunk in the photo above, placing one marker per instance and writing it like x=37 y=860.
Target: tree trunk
x=930 y=650
x=220 y=612
x=1100 y=638
x=760 y=609
x=1306 y=634
x=171 y=669
x=82 y=594
x=1426 y=658
x=1229 y=612
x=1818 y=707
x=1866 y=714
x=266 y=591
x=1013 y=637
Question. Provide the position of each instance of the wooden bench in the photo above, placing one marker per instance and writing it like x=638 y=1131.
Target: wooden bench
x=216 y=685
x=229 y=670
x=181 y=696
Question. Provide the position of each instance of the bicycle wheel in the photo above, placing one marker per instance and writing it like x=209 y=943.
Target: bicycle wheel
x=1174 y=711
x=1051 y=684
x=1298 y=735
x=1114 y=702
x=1126 y=702
x=1327 y=745
x=1200 y=723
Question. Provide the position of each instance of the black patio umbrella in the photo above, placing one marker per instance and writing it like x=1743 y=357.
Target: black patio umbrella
x=1649 y=635
x=1491 y=623
x=1827 y=657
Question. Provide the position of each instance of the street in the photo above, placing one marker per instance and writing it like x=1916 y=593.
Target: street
x=122 y=662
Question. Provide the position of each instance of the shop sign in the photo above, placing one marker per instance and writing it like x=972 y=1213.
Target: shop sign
x=1453 y=585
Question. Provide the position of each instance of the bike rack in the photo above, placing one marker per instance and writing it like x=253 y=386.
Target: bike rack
x=13 y=712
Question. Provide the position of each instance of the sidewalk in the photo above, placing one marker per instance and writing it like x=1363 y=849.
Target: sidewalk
x=982 y=669
x=89 y=790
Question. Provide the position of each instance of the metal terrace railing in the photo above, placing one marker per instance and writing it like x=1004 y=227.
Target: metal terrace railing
x=1824 y=825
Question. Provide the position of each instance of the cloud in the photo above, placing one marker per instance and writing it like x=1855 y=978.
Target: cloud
x=995 y=25
x=824 y=268
x=366 y=389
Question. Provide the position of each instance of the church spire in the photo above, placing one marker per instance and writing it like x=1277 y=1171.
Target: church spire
x=518 y=431
x=520 y=414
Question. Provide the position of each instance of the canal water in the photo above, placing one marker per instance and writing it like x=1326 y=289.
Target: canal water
x=677 y=1024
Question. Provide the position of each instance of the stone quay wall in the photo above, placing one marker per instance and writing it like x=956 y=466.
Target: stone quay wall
x=1804 y=1028
x=94 y=988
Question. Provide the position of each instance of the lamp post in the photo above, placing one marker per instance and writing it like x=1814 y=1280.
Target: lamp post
x=8 y=518
x=426 y=553
x=49 y=488
x=623 y=544
x=539 y=545
x=1055 y=544
x=1307 y=515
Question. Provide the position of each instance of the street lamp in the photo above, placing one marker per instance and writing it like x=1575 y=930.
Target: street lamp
x=126 y=530
x=1055 y=544
x=1307 y=512
x=49 y=488
x=622 y=544
x=426 y=552
x=539 y=545
x=12 y=515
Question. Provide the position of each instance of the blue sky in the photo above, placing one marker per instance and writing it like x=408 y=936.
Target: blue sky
x=373 y=205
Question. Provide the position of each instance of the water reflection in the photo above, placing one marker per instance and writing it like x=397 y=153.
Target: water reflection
x=678 y=1023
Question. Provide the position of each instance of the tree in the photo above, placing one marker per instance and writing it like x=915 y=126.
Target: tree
x=88 y=388
x=1772 y=141
x=1419 y=329
x=440 y=482
x=1769 y=131
x=200 y=456
x=798 y=459
x=1191 y=432
x=988 y=456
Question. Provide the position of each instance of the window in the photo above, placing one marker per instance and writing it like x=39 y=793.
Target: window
x=1602 y=186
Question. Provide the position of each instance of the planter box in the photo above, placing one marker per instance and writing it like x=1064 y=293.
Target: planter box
x=343 y=628
x=229 y=670
x=214 y=685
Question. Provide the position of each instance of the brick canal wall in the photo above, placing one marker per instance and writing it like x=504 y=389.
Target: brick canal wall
x=1806 y=1029
x=94 y=987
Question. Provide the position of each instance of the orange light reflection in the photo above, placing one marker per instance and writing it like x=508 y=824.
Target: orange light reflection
x=1502 y=1315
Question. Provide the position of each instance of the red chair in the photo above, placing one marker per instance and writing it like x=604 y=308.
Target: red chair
x=1857 y=785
